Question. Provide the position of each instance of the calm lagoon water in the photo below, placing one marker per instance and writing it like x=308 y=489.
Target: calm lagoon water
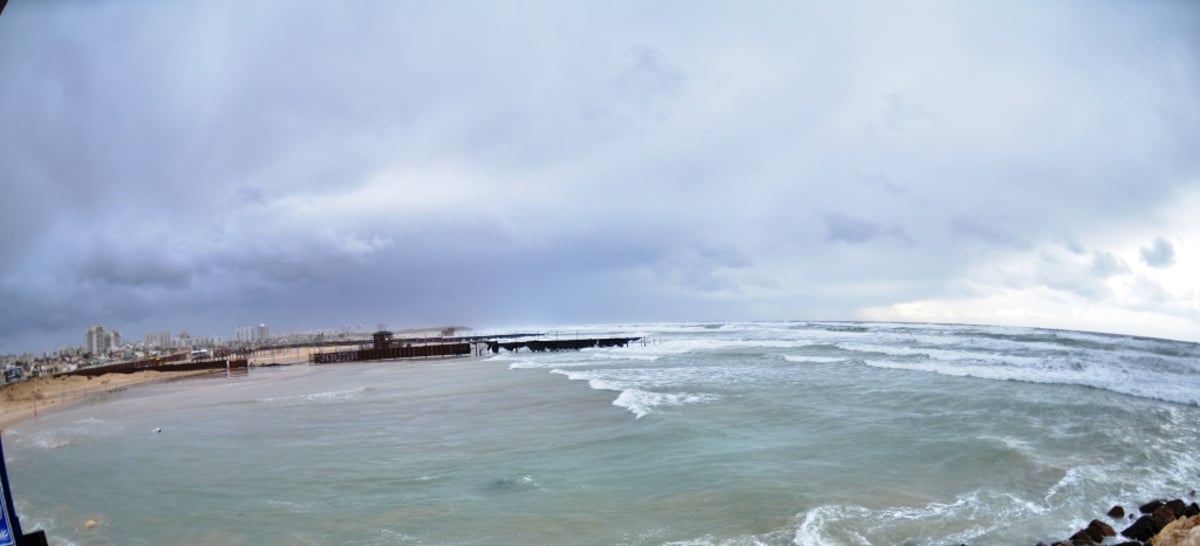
x=740 y=433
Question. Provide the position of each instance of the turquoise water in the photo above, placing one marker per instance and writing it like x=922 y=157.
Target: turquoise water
x=746 y=433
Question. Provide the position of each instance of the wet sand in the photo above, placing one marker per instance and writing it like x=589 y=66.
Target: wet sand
x=21 y=401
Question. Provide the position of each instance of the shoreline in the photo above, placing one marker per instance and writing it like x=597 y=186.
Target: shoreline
x=1159 y=522
x=20 y=402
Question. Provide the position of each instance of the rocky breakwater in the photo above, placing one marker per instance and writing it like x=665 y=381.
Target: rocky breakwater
x=1156 y=523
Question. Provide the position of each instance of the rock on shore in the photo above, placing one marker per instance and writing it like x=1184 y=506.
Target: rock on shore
x=1161 y=523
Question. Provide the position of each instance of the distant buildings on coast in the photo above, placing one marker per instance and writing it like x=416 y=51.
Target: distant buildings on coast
x=252 y=334
x=99 y=341
x=103 y=345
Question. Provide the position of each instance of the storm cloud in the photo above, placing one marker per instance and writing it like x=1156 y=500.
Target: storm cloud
x=203 y=165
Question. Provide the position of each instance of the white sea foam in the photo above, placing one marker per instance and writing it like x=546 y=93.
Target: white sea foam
x=597 y=381
x=801 y=359
x=49 y=440
x=622 y=354
x=69 y=434
x=1142 y=383
x=667 y=377
x=642 y=403
x=634 y=394
x=947 y=355
x=317 y=397
x=970 y=518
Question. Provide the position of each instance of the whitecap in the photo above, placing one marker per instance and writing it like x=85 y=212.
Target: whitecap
x=317 y=397
x=642 y=403
x=964 y=520
x=800 y=359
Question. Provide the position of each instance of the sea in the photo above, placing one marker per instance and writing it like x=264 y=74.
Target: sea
x=747 y=433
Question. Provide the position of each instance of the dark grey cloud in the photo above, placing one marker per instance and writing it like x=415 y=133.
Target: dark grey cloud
x=1160 y=254
x=147 y=269
x=199 y=165
x=848 y=229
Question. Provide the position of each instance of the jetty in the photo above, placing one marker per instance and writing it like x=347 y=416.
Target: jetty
x=385 y=347
x=542 y=345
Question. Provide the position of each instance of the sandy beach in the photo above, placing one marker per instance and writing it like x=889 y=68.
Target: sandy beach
x=20 y=401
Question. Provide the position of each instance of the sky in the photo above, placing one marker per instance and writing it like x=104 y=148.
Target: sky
x=201 y=166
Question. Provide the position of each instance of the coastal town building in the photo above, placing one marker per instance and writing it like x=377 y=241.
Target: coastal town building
x=102 y=345
x=252 y=334
x=100 y=341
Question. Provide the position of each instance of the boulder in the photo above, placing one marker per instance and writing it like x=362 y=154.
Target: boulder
x=1083 y=537
x=1098 y=530
x=1178 y=507
x=1181 y=532
x=1162 y=517
x=1150 y=507
x=1116 y=512
x=1142 y=529
x=1192 y=509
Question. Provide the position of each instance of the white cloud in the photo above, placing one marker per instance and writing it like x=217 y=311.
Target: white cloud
x=1107 y=290
x=781 y=161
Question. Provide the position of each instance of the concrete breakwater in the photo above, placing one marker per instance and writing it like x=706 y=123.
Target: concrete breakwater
x=384 y=347
x=542 y=345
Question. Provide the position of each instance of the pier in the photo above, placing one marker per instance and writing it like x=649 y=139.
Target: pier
x=542 y=345
x=385 y=347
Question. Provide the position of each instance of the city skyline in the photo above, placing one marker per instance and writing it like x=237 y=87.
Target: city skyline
x=209 y=164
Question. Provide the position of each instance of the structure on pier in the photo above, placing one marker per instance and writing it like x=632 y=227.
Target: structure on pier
x=385 y=347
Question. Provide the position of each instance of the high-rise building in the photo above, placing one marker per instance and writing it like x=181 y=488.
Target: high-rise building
x=252 y=334
x=164 y=340
x=99 y=341
x=93 y=340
